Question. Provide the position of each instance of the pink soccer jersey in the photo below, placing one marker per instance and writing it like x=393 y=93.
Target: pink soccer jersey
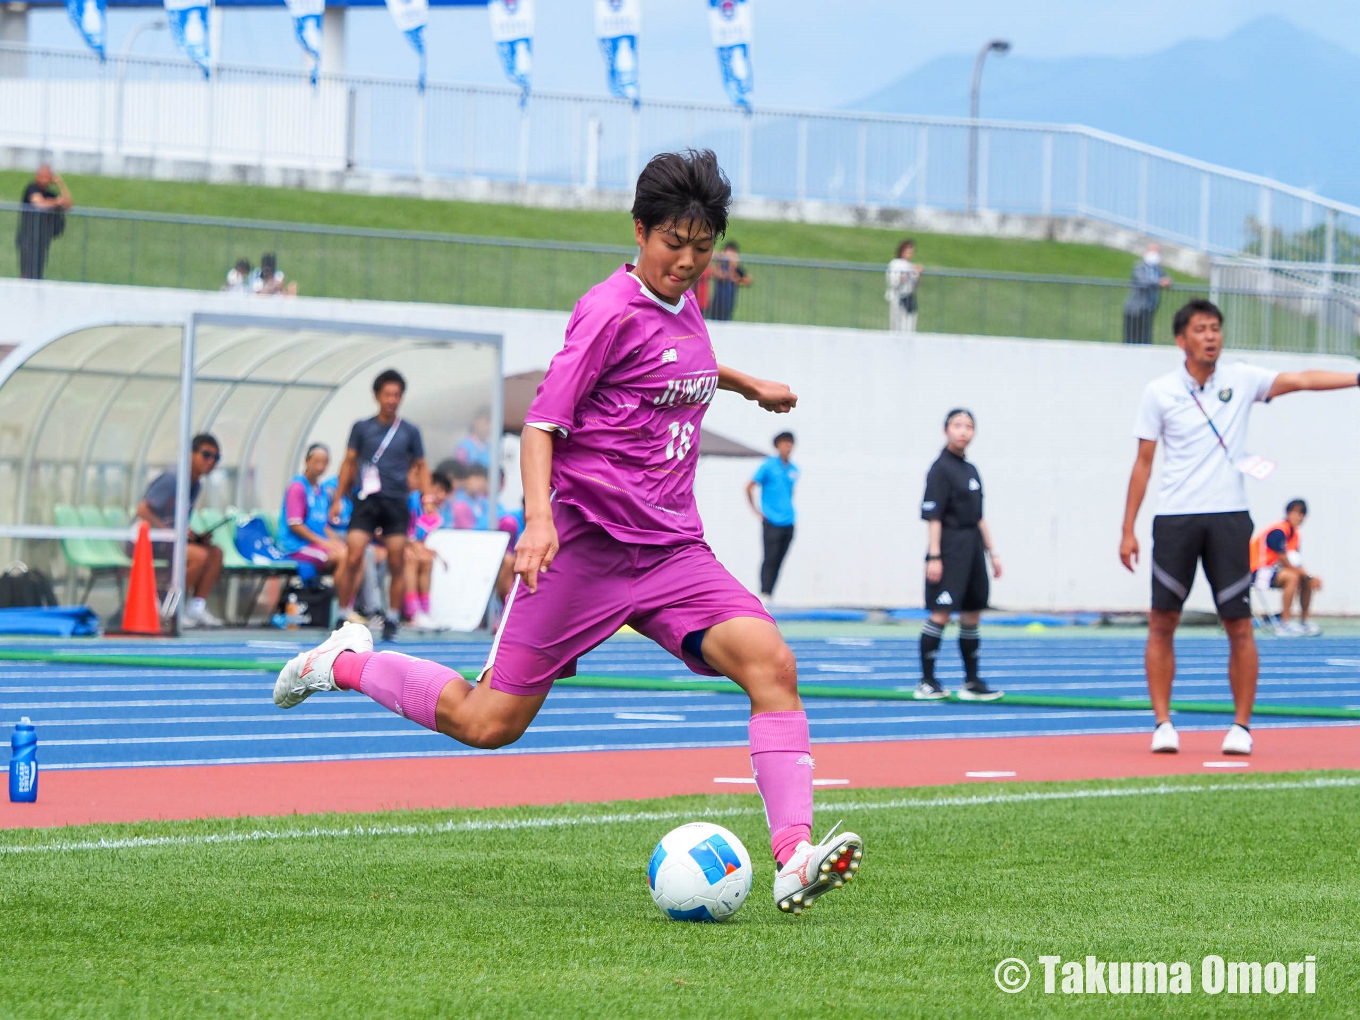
x=629 y=390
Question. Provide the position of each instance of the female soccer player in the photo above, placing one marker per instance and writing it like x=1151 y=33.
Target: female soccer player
x=612 y=533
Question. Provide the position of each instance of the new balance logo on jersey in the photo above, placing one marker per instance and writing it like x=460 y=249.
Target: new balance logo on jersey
x=928 y=505
x=974 y=485
x=806 y=760
x=669 y=355
x=944 y=599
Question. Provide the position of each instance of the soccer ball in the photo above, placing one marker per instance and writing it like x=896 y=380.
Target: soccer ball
x=699 y=872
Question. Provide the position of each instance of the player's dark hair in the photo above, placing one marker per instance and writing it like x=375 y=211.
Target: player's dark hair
x=678 y=186
x=1296 y=504
x=476 y=471
x=1199 y=306
x=958 y=411
x=452 y=468
x=907 y=242
x=731 y=246
x=202 y=440
x=783 y=436
x=314 y=447
x=390 y=376
x=441 y=479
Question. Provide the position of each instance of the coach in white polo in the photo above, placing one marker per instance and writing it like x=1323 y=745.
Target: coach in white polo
x=1199 y=413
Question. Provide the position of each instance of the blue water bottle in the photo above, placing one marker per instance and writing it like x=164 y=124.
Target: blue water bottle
x=23 y=763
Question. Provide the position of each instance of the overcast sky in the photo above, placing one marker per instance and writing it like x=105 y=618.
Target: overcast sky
x=803 y=56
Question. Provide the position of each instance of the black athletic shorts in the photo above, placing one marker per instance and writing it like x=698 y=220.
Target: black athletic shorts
x=964 y=586
x=379 y=514
x=1221 y=541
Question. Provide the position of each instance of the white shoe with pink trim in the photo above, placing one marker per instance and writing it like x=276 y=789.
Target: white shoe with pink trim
x=314 y=671
x=814 y=870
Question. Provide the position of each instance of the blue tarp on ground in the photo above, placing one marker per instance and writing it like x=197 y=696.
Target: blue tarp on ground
x=50 y=621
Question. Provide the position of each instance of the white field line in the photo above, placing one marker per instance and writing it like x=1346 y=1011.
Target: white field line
x=628 y=818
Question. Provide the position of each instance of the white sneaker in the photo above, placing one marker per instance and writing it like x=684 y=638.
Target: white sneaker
x=203 y=618
x=1310 y=629
x=1237 y=740
x=1165 y=739
x=814 y=870
x=1291 y=629
x=422 y=621
x=314 y=671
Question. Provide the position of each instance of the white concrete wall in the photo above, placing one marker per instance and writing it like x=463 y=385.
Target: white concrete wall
x=1054 y=444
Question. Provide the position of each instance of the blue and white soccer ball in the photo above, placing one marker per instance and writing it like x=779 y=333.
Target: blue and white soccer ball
x=699 y=872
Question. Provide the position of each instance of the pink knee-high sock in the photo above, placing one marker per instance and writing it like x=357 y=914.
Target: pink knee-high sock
x=410 y=687
x=781 y=759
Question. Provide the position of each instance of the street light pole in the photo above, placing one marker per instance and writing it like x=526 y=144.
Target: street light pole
x=1000 y=47
x=154 y=25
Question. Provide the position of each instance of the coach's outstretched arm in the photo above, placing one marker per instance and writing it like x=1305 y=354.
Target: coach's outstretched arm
x=1138 y=481
x=773 y=396
x=1292 y=382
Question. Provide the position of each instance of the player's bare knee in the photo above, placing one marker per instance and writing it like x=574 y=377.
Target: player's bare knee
x=784 y=670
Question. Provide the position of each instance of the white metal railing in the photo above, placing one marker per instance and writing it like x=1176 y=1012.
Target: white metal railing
x=130 y=111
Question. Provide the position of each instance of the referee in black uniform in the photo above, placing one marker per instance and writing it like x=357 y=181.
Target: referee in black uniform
x=956 y=561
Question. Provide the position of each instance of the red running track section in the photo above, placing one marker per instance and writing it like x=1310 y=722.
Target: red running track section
x=232 y=791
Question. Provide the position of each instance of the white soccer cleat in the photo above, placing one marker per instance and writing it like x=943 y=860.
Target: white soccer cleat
x=314 y=671
x=814 y=870
x=1237 y=740
x=1165 y=739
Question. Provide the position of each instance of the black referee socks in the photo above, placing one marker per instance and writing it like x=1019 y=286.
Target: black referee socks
x=969 y=640
x=930 y=648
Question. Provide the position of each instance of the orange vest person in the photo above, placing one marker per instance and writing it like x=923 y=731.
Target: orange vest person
x=1272 y=542
x=1276 y=563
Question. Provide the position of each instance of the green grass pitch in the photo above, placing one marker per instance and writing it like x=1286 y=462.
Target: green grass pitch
x=544 y=912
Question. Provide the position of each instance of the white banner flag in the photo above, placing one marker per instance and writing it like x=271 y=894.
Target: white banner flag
x=512 y=30
x=188 y=21
x=410 y=16
x=617 y=24
x=307 y=24
x=730 y=21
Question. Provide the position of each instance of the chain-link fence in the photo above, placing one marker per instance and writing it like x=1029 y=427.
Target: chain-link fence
x=151 y=250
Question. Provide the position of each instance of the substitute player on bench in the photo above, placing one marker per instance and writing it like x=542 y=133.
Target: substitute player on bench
x=1199 y=413
x=1277 y=562
x=612 y=533
x=956 y=561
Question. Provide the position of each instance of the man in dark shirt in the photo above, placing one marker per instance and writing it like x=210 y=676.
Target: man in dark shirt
x=956 y=561
x=384 y=454
x=203 y=560
x=726 y=276
x=46 y=202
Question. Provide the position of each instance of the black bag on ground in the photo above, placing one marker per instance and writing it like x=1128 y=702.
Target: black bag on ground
x=314 y=601
x=20 y=586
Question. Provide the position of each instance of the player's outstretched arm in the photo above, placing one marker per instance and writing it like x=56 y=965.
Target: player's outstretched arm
x=1138 y=481
x=1292 y=382
x=537 y=547
x=773 y=396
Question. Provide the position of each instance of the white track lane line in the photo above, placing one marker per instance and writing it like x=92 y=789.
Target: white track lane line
x=637 y=817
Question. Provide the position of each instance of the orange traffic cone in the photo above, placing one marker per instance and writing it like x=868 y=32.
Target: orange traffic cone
x=140 y=615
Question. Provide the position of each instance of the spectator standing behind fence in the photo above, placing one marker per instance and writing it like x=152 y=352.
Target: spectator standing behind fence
x=238 y=278
x=903 y=275
x=776 y=478
x=724 y=278
x=269 y=279
x=1141 y=306
x=46 y=201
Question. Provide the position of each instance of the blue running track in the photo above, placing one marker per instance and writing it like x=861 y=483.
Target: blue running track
x=110 y=716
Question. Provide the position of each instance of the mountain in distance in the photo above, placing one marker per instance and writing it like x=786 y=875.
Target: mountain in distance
x=1270 y=99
